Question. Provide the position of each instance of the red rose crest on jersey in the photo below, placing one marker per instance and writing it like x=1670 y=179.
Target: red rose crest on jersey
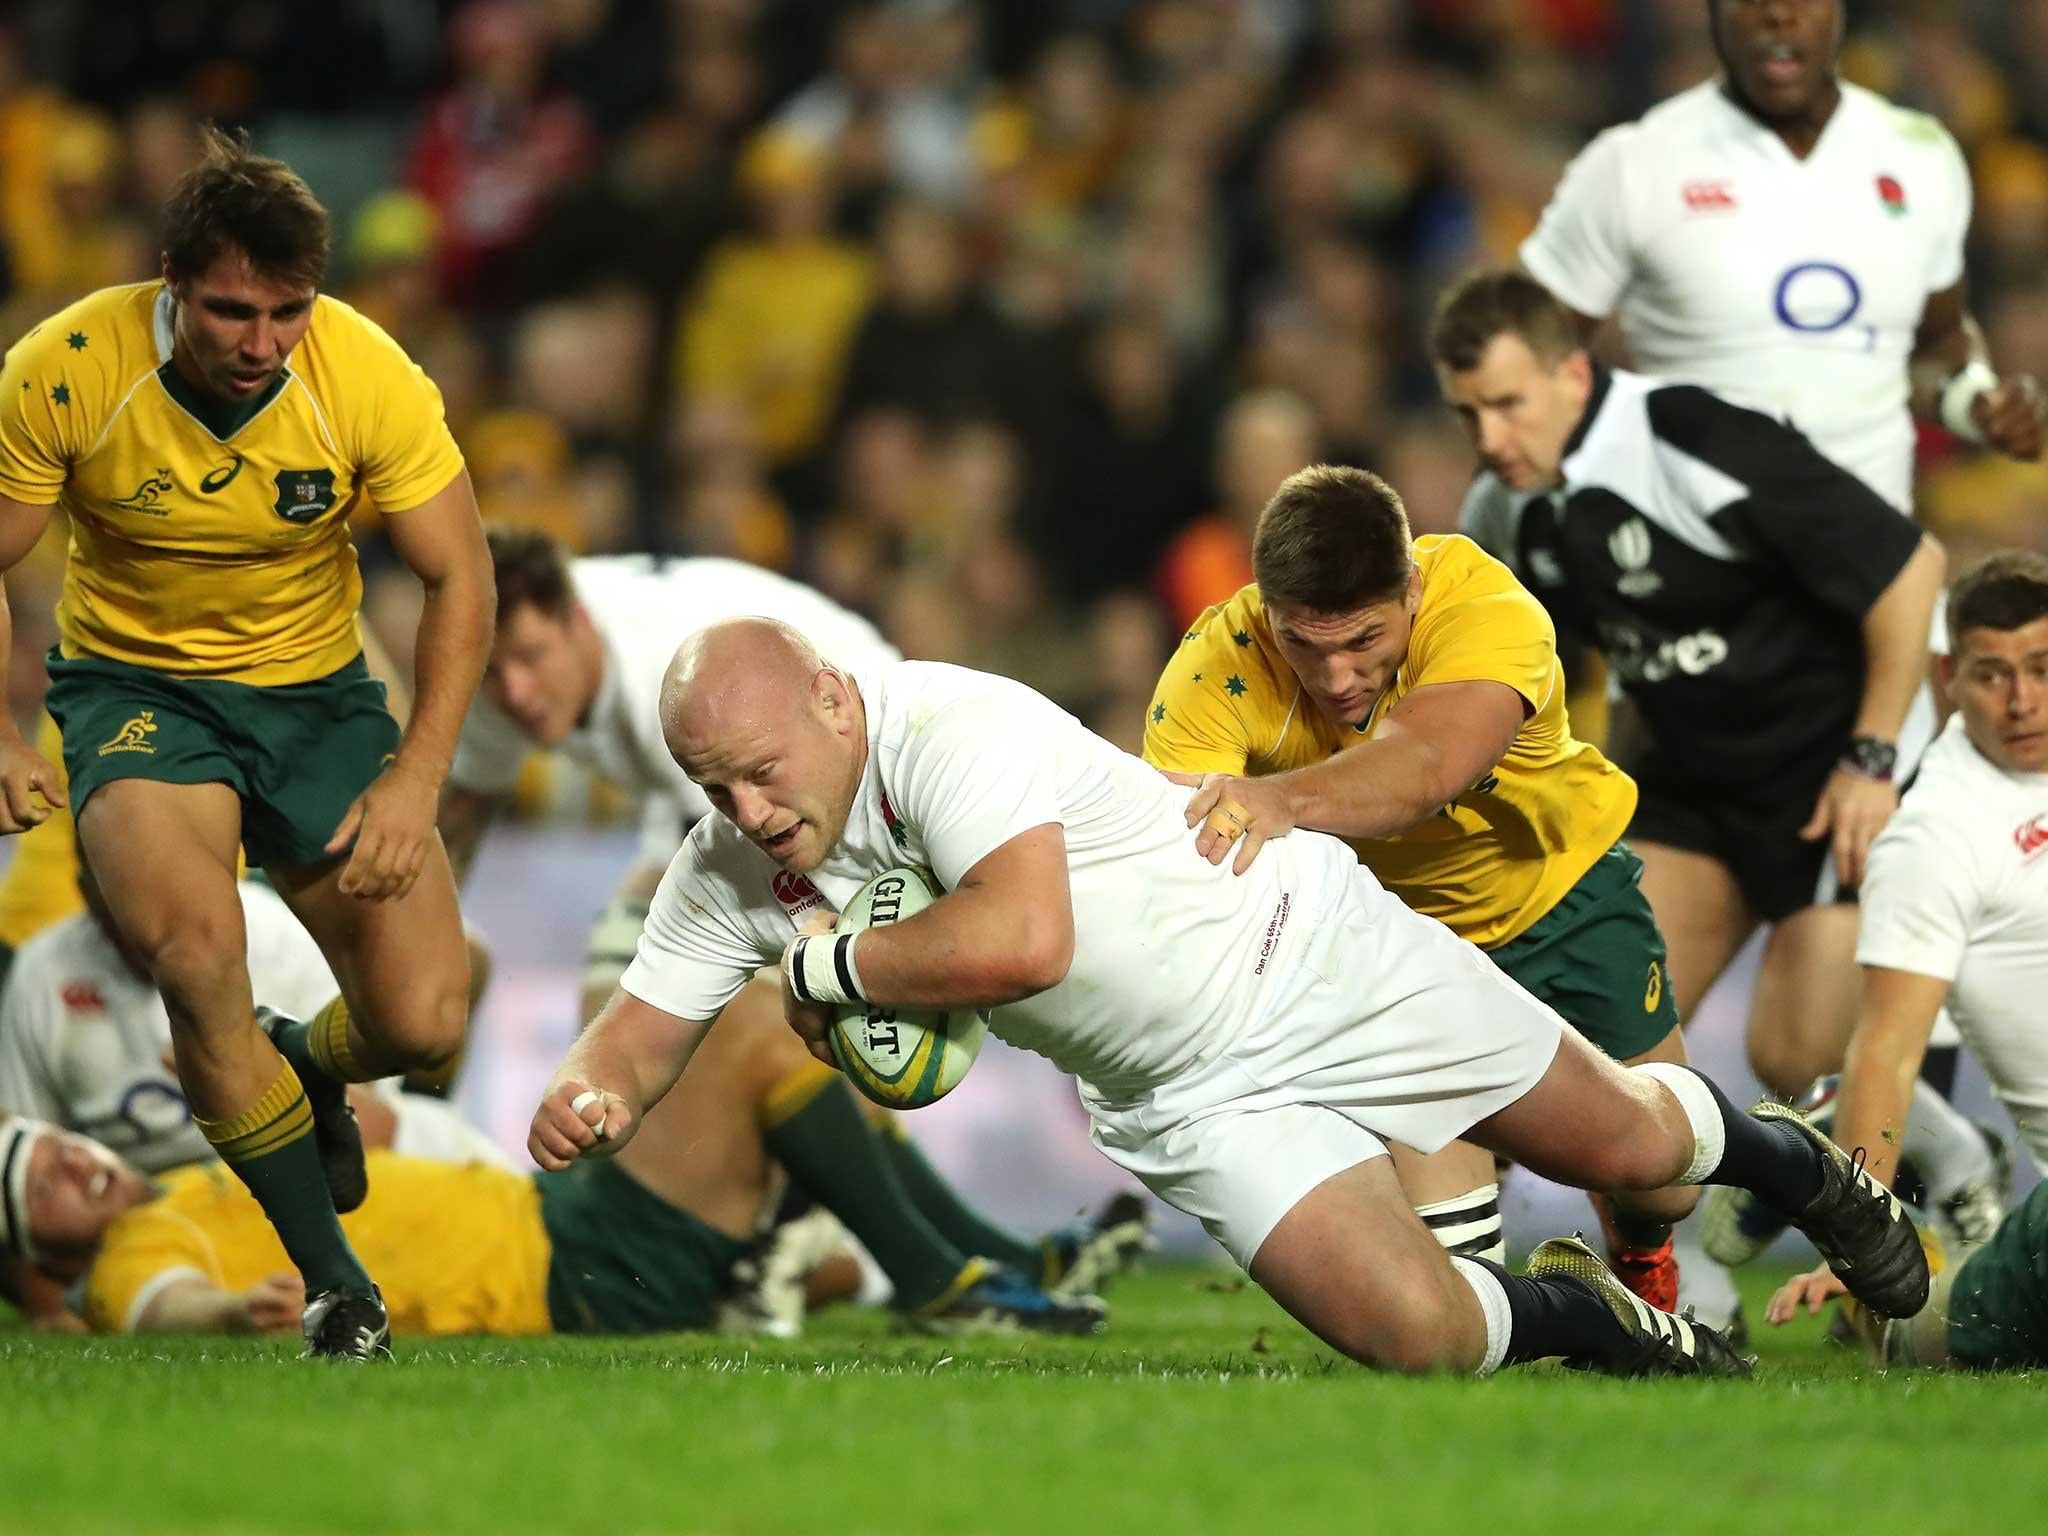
x=796 y=893
x=1713 y=196
x=2031 y=837
x=84 y=996
x=898 y=833
x=1892 y=195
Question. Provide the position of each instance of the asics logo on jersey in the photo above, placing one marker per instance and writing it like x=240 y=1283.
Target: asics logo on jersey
x=221 y=475
x=1653 y=994
x=133 y=736
x=147 y=498
x=1631 y=547
x=1708 y=197
x=2031 y=837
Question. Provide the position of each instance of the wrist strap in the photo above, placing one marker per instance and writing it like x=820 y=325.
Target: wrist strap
x=1960 y=393
x=1871 y=757
x=820 y=970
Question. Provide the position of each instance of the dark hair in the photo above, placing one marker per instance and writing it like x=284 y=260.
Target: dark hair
x=237 y=199
x=531 y=568
x=2007 y=590
x=1332 y=540
x=1503 y=302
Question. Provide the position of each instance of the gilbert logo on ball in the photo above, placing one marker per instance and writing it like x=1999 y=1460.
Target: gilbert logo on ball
x=902 y=1058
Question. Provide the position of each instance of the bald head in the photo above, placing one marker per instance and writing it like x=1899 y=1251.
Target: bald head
x=734 y=670
x=773 y=734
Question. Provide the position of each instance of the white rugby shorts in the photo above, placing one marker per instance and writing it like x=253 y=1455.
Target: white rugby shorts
x=1391 y=1029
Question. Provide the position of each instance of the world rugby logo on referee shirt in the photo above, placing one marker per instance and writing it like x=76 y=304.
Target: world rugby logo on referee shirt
x=1631 y=547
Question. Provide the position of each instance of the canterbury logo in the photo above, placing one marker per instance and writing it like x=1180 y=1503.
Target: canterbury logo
x=133 y=737
x=221 y=475
x=1653 y=994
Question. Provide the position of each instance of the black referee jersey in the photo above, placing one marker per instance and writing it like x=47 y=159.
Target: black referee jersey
x=1722 y=563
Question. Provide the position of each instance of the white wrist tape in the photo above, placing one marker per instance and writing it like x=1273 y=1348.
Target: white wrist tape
x=820 y=970
x=1960 y=393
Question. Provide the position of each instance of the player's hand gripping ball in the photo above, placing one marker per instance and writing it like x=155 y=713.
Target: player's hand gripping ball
x=902 y=1058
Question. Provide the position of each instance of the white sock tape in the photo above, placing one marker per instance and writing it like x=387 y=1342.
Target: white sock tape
x=1709 y=1135
x=1493 y=1303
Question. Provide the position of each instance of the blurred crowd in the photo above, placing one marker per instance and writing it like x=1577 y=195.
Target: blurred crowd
x=997 y=321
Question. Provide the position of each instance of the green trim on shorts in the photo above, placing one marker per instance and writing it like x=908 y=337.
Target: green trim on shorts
x=297 y=754
x=625 y=1260
x=1597 y=957
x=1998 y=1302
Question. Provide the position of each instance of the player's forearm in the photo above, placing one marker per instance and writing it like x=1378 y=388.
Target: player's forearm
x=1939 y=358
x=196 y=1306
x=1895 y=634
x=976 y=948
x=1375 y=789
x=453 y=646
x=1877 y=1092
x=632 y=1049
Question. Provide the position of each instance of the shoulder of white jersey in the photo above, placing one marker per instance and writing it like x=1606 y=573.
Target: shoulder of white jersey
x=1909 y=126
x=1682 y=116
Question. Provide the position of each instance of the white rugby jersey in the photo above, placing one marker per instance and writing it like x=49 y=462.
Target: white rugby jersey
x=1792 y=286
x=1958 y=889
x=83 y=1037
x=1173 y=957
x=644 y=607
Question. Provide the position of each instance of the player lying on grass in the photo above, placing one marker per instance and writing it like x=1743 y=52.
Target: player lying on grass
x=1246 y=1044
x=1406 y=695
x=1955 y=905
x=85 y=1043
x=575 y=668
x=644 y=1242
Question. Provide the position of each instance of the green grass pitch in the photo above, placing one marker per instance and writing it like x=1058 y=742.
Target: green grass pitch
x=1202 y=1409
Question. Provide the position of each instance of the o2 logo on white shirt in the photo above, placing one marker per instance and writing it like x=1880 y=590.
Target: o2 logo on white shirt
x=1818 y=298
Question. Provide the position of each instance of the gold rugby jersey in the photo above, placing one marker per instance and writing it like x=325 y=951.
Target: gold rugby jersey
x=455 y=1247
x=1490 y=864
x=211 y=539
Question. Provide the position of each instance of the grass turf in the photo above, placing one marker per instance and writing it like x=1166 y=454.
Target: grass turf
x=1204 y=1408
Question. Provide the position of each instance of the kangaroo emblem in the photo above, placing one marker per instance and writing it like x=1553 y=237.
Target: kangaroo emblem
x=134 y=736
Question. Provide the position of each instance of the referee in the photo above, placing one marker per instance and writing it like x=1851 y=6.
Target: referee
x=1765 y=610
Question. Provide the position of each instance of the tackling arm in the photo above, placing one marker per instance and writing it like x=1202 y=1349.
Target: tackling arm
x=1433 y=747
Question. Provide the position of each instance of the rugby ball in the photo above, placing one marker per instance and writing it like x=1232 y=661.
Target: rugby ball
x=902 y=1058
